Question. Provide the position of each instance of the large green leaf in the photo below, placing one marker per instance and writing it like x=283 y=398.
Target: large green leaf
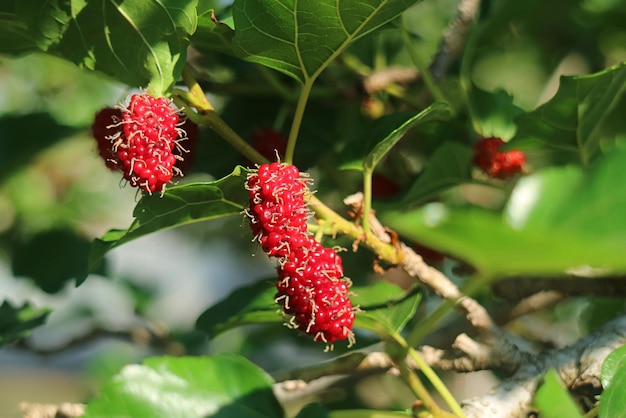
x=556 y=220
x=585 y=111
x=223 y=386
x=553 y=400
x=179 y=205
x=18 y=322
x=300 y=37
x=140 y=43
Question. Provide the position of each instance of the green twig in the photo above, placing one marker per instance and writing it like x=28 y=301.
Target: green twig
x=367 y=200
x=439 y=386
x=305 y=91
x=412 y=380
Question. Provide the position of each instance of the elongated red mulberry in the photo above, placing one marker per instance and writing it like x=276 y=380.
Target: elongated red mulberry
x=278 y=213
x=311 y=289
x=310 y=286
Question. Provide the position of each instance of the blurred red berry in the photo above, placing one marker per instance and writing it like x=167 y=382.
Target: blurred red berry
x=185 y=153
x=383 y=188
x=496 y=163
x=105 y=129
x=268 y=142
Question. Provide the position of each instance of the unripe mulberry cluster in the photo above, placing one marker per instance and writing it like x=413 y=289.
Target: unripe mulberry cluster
x=143 y=141
x=496 y=163
x=310 y=287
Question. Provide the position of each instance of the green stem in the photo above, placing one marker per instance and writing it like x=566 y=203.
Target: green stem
x=421 y=65
x=305 y=91
x=367 y=200
x=413 y=382
x=439 y=386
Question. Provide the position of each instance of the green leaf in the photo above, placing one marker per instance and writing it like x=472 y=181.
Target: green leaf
x=394 y=131
x=380 y=304
x=549 y=223
x=140 y=43
x=15 y=38
x=613 y=399
x=16 y=323
x=300 y=38
x=612 y=363
x=222 y=386
x=576 y=120
x=51 y=258
x=252 y=304
x=386 y=305
x=449 y=166
x=213 y=35
x=179 y=205
x=384 y=134
x=492 y=113
x=553 y=400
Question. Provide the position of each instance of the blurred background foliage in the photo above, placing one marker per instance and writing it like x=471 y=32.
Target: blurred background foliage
x=56 y=195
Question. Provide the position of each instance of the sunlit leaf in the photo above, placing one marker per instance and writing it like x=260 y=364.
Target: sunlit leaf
x=493 y=113
x=222 y=386
x=179 y=205
x=612 y=363
x=551 y=219
x=18 y=322
x=142 y=43
x=553 y=400
x=584 y=112
x=300 y=38
x=613 y=400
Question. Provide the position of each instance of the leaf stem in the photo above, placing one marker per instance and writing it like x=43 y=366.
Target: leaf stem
x=305 y=91
x=439 y=386
x=421 y=65
x=367 y=199
x=414 y=383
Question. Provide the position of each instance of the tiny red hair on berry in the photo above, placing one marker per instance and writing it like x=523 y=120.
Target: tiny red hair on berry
x=495 y=163
x=310 y=285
